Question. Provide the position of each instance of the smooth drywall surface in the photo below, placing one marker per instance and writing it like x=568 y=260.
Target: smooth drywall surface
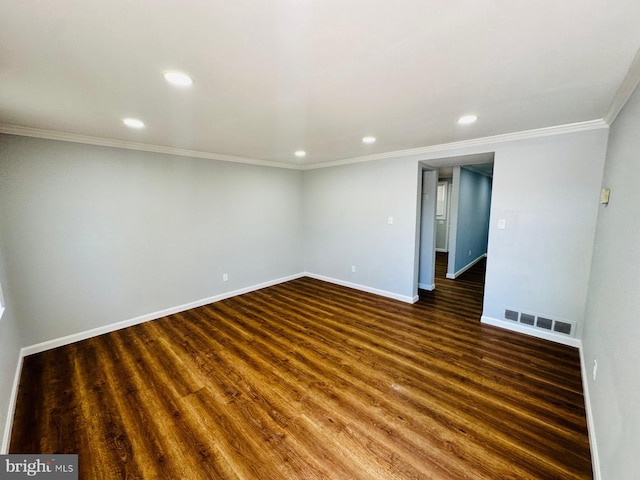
x=453 y=222
x=546 y=189
x=426 y=277
x=442 y=225
x=474 y=206
x=9 y=350
x=547 y=192
x=612 y=326
x=96 y=235
x=347 y=210
x=441 y=235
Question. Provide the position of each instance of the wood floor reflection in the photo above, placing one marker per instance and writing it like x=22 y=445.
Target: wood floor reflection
x=309 y=380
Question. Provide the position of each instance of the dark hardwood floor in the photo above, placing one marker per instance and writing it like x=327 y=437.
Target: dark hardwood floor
x=460 y=298
x=309 y=380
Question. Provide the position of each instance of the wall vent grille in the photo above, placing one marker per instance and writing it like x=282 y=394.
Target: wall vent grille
x=542 y=322
x=562 y=327
x=527 y=319
x=511 y=315
x=545 y=323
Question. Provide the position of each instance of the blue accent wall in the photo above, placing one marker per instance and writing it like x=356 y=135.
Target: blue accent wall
x=474 y=206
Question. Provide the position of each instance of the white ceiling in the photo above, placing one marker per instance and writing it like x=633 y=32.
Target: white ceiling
x=275 y=76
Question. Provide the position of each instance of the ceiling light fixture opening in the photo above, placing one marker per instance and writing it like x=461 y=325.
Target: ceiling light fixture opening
x=178 y=79
x=467 y=119
x=300 y=153
x=368 y=139
x=133 y=123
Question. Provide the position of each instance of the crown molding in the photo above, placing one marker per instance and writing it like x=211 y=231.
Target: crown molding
x=628 y=86
x=144 y=147
x=413 y=152
x=476 y=142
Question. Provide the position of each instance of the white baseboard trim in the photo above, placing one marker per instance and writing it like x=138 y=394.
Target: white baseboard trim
x=465 y=268
x=4 y=449
x=76 y=337
x=58 y=342
x=112 y=327
x=595 y=458
x=364 y=288
x=572 y=342
x=426 y=286
x=443 y=250
x=534 y=332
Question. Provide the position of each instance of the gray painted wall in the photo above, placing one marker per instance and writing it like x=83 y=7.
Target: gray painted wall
x=453 y=222
x=9 y=348
x=474 y=206
x=612 y=326
x=426 y=276
x=443 y=225
x=441 y=235
x=96 y=235
x=346 y=210
x=547 y=190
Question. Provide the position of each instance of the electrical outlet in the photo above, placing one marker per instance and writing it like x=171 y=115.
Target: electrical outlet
x=469 y=252
x=225 y=277
x=353 y=268
x=595 y=369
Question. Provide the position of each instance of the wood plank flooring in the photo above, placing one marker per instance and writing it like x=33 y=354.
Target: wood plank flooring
x=309 y=380
x=460 y=298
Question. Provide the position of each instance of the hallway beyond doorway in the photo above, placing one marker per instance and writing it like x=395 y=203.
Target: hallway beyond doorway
x=461 y=297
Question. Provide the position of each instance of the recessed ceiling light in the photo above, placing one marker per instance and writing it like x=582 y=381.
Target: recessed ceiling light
x=178 y=78
x=300 y=153
x=368 y=139
x=467 y=119
x=133 y=123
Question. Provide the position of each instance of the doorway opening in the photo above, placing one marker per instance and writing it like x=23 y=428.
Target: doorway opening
x=454 y=230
